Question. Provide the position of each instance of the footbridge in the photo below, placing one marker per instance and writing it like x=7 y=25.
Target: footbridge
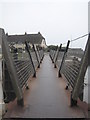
x=38 y=84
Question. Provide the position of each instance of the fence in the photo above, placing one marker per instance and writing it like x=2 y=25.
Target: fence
x=72 y=64
x=19 y=64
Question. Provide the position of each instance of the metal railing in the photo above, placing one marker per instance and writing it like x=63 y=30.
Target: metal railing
x=72 y=64
x=19 y=64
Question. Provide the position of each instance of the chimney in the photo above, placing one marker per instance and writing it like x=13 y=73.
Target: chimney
x=25 y=33
x=6 y=34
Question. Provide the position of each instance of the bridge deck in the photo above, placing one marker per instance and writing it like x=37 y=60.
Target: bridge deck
x=46 y=97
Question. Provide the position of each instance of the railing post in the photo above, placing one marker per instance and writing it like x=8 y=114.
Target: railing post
x=11 y=69
x=53 y=56
x=39 y=54
x=57 y=55
x=28 y=50
x=81 y=74
x=36 y=56
x=59 y=74
x=50 y=54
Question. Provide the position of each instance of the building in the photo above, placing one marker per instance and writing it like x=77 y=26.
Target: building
x=19 y=40
x=78 y=52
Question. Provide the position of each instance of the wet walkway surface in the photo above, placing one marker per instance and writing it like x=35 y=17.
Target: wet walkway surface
x=46 y=98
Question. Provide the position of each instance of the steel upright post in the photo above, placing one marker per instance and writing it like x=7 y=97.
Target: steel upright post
x=59 y=74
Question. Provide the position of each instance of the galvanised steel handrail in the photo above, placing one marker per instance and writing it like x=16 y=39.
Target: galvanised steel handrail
x=18 y=66
x=72 y=65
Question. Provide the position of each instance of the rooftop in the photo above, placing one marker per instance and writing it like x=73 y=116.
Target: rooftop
x=32 y=38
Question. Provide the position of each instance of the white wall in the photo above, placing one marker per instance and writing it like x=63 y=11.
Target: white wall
x=43 y=44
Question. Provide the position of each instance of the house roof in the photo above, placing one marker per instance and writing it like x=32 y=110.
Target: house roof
x=32 y=38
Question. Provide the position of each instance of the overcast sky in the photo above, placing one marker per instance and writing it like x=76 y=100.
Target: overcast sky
x=57 y=20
